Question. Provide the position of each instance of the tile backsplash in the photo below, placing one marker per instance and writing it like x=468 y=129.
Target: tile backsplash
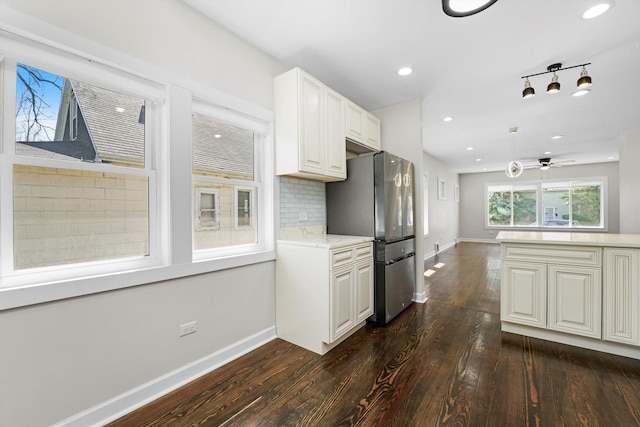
x=300 y=198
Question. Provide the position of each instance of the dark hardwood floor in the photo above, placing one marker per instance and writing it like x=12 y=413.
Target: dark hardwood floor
x=442 y=363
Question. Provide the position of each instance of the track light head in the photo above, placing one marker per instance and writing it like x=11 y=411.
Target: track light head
x=585 y=80
x=554 y=86
x=528 y=91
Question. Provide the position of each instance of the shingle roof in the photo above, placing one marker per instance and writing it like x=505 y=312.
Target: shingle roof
x=113 y=122
x=230 y=155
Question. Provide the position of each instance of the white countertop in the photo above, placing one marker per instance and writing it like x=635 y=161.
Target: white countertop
x=327 y=241
x=583 y=239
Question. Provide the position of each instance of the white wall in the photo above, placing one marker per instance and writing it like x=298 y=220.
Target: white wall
x=629 y=179
x=63 y=357
x=472 y=193
x=402 y=135
x=443 y=214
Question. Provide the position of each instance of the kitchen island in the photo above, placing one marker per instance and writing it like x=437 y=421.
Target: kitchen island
x=581 y=289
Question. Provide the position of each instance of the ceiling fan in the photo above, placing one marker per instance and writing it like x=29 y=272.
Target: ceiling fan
x=546 y=163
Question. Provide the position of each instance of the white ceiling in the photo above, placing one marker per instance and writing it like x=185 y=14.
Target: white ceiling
x=469 y=68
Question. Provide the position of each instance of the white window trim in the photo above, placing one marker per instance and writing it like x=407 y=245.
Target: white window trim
x=73 y=118
x=604 y=205
x=150 y=83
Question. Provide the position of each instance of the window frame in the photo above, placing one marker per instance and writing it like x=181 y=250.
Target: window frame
x=262 y=137
x=571 y=183
x=172 y=94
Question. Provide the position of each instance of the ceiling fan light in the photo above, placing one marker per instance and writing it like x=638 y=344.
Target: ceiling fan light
x=528 y=91
x=554 y=86
x=585 y=80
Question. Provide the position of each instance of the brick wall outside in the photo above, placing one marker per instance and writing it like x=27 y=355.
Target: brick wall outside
x=66 y=216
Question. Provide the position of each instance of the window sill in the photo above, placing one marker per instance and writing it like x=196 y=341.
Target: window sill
x=46 y=292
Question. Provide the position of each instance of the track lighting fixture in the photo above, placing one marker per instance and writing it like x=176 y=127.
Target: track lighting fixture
x=528 y=91
x=584 y=81
x=554 y=86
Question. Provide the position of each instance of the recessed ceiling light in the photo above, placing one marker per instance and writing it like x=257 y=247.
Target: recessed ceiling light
x=469 y=148
x=597 y=10
x=547 y=152
x=478 y=160
x=611 y=157
x=447 y=119
x=581 y=92
x=120 y=109
x=556 y=137
x=217 y=135
x=405 y=71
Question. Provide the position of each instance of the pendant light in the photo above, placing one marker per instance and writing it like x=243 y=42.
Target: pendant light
x=514 y=168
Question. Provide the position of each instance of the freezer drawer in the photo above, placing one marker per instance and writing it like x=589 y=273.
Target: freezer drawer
x=394 y=288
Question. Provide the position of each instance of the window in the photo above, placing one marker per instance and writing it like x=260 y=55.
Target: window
x=425 y=204
x=73 y=118
x=81 y=187
x=225 y=155
x=549 y=204
x=244 y=207
x=207 y=209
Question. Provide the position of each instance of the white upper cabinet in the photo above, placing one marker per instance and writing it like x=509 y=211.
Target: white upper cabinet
x=372 y=132
x=309 y=128
x=355 y=124
x=362 y=127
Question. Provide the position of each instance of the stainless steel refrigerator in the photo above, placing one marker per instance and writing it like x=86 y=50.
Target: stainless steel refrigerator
x=377 y=200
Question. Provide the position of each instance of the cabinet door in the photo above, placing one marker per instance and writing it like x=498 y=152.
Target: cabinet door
x=364 y=291
x=354 y=122
x=372 y=132
x=621 y=295
x=342 y=303
x=524 y=293
x=575 y=303
x=312 y=148
x=335 y=154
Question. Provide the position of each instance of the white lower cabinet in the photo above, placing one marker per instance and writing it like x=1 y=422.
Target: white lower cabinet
x=560 y=291
x=323 y=294
x=621 y=296
x=574 y=300
x=524 y=293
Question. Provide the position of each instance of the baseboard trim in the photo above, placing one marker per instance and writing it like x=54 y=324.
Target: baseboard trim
x=420 y=298
x=118 y=406
x=463 y=239
x=443 y=248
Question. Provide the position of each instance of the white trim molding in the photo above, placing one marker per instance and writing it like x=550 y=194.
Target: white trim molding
x=135 y=398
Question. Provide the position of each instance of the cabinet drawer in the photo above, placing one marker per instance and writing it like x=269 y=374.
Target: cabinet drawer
x=364 y=252
x=557 y=254
x=340 y=257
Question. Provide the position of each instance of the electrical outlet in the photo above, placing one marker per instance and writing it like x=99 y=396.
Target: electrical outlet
x=188 y=328
x=302 y=216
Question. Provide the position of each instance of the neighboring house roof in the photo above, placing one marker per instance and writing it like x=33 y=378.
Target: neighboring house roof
x=115 y=127
x=231 y=155
x=42 y=149
x=114 y=123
